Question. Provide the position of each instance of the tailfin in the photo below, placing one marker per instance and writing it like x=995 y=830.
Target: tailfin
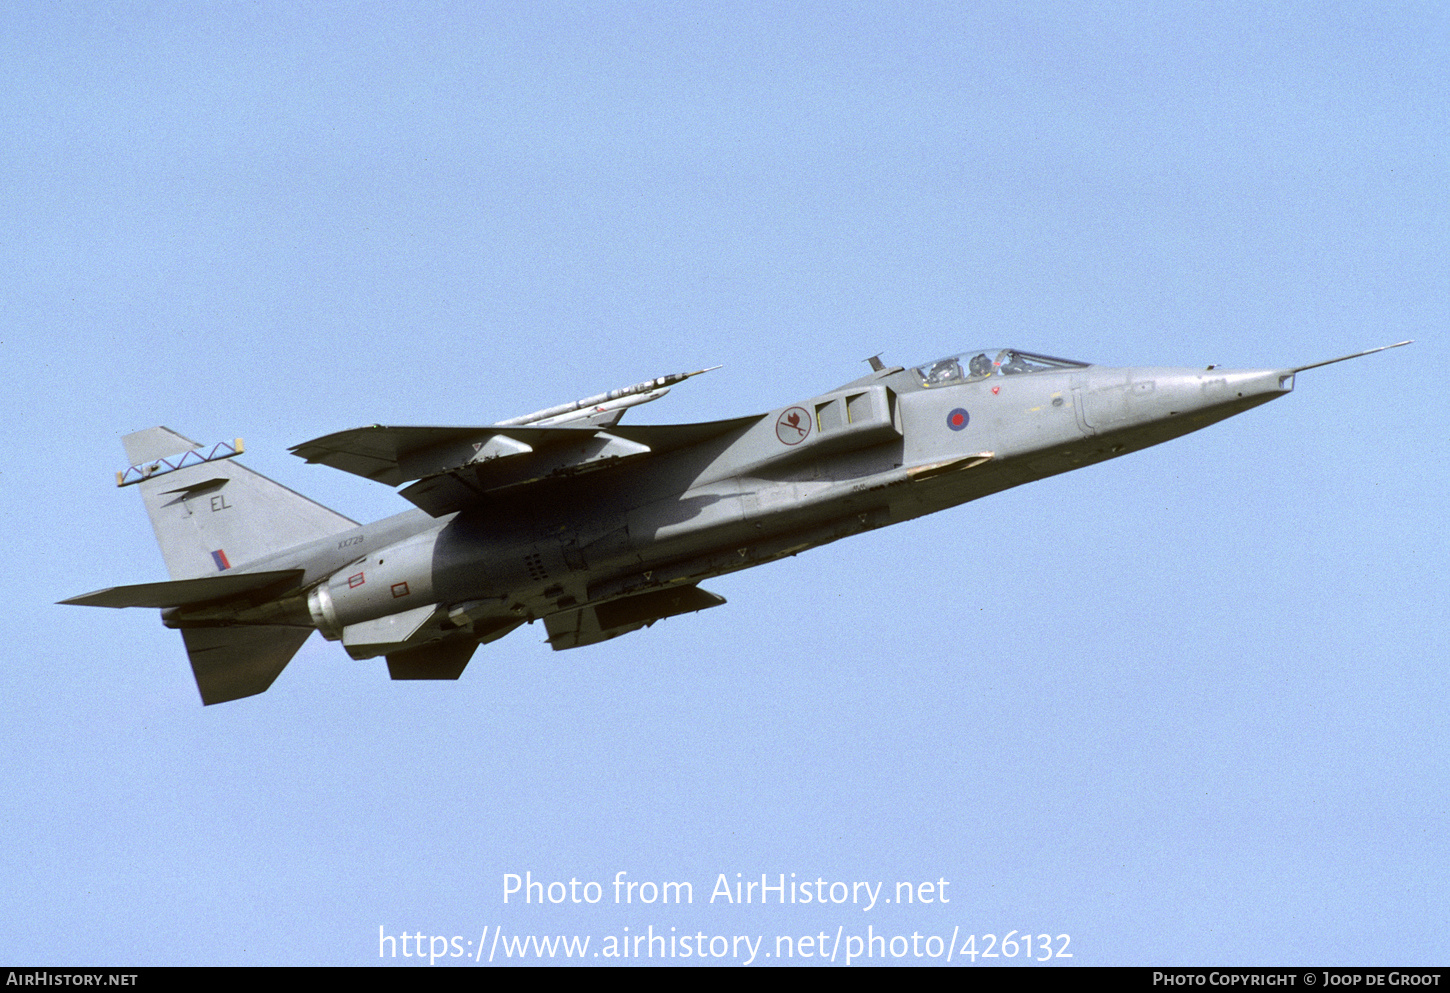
x=210 y=513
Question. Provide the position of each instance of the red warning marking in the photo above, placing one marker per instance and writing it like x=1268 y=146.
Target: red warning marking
x=995 y=390
x=400 y=589
x=793 y=426
x=353 y=582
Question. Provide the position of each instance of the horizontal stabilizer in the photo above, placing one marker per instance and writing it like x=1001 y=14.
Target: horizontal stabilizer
x=232 y=662
x=440 y=660
x=188 y=592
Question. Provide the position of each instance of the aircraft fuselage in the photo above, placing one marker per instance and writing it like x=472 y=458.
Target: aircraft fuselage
x=879 y=451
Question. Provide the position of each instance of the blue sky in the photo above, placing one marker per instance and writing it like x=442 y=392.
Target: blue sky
x=1186 y=707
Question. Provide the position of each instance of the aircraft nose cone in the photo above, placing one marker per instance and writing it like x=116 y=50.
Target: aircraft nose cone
x=1264 y=384
x=1213 y=394
x=1170 y=402
x=1126 y=398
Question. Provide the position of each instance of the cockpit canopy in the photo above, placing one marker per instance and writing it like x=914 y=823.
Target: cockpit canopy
x=989 y=362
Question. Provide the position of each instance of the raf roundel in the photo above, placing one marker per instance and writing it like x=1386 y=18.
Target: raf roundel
x=958 y=419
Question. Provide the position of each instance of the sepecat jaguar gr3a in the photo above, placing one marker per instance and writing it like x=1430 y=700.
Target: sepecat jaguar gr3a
x=597 y=529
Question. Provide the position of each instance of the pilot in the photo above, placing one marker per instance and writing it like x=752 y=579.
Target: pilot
x=944 y=372
x=1015 y=364
x=981 y=366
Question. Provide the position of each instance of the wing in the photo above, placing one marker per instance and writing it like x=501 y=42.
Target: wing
x=458 y=467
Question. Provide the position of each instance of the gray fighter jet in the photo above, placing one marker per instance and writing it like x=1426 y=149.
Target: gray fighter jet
x=598 y=530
